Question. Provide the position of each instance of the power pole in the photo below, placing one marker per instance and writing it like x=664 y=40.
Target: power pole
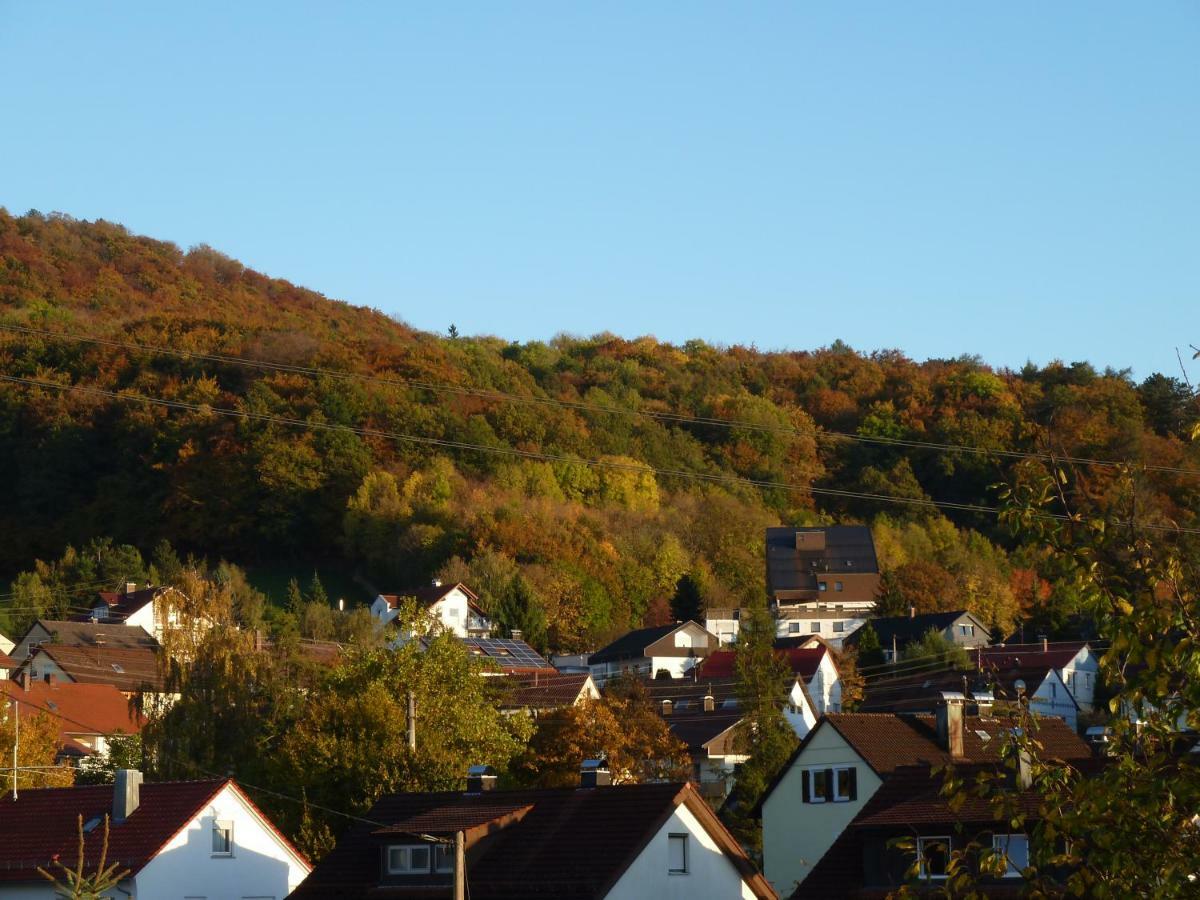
x=460 y=866
x=412 y=721
x=16 y=741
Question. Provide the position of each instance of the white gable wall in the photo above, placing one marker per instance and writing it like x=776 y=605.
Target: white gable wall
x=261 y=865
x=799 y=711
x=1053 y=699
x=711 y=874
x=1081 y=675
x=797 y=834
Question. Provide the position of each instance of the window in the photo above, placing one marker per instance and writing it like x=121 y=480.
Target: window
x=443 y=858
x=933 y=853
x=1015 y=849
x=677 y=854
x=1053 y=690
x=839 y=626
x=222 y=838
x=793 y=627
x=821 y=585
x=967 y=630
x=833 y=785
x=814 y=627
x=837 y=585
x=408 y=860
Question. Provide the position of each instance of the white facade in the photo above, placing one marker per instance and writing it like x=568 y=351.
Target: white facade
x=453 y=611
x=675 y=666
x=797 y=834
x=1053 y=699
x=825 y=687
x=261 y=866
x=725 y=626
x=710 y=873
x=6 y=645
x=1081 y=676
x=799 y=712
x=833 y=630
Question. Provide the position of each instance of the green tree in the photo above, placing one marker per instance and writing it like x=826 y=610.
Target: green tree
x=124 y=752
x=870 y=653
x=686 y=603
x=316 y=591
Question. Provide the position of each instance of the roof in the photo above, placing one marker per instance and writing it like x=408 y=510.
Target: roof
x=571 y=844
x=78 y=708
x=7 y=662
x=912 y=628
x=542 y=691
x=1058 y=655
x=802 y=662
x=848 y=549
x=431 y=594
x=127 y=670
x=633 y=644
x=698 y=729
x=164 y=809
x=913 y=796
x=509 y=653
x=121 y=605
x=888 y=741
x=95 y=634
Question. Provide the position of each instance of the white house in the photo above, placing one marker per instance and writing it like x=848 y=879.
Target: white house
x=672 y=650
x=455 y=606
x=813 y=666
x=618 y=842
x=834 y=623
x=188 y=839
x=726 y=624
x=1077 y=664
x=156 y=609
x=846 y=758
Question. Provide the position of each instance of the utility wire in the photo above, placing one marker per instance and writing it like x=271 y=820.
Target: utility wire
x=716 y=478
x=580 y=406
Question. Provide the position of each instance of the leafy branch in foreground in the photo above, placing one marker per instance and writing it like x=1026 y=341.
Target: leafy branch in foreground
x=76 y=884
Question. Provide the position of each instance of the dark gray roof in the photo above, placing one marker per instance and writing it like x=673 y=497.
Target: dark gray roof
x=906 y=628
x=96 y=634
x=848 y=548
x=633 y=644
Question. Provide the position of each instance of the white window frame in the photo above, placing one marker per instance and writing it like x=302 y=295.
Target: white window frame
x=839 y=627
x=679 y=839
x=1001 y=844
x=938 y=839
x=811 y=775
x=223 y=827
x=408 y=868
x=838 y=797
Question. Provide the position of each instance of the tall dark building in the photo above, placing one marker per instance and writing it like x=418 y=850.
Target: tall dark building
x=822 y=568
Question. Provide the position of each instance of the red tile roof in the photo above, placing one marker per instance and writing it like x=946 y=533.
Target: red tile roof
x=431 y=594
x=540 y=691
x=571 y=845
x=1005 y=656
x=7 y=662
x=125 y=668
x=802 y=662
x=80 y=709
x=164 y=809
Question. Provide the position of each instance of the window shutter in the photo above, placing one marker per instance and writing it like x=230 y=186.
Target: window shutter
x=829 y=785
x=805 y=789
x=854 y=782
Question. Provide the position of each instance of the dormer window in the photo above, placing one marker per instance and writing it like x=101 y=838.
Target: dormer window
x=411 y=859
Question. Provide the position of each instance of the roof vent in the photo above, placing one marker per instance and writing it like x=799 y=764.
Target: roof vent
x=594 y=773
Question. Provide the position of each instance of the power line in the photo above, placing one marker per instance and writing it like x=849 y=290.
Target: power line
x=716 y=478
x=581 y=406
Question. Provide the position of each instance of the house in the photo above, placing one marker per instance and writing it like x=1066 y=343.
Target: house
x=595 y=841
x=1076 y=663
x=83 y=634
x=847 y=757
x=6 y=645
x=832 y=622
x=7 y=665
x=129 y=670
x=176 y=839
x=813 y=666
x=87 y=714
x=673 y=649
x=895 y=633
x=544 y=692
x=455 y=606
x=866 y=859
x=831 y=565
x=1040 y=688
x=155 y=609
x=726 y=624
x=508 y=656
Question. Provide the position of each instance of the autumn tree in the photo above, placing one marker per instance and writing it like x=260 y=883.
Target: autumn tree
x=36 y=736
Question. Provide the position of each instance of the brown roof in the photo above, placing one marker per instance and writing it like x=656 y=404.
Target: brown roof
x=540 y=691
x=431 y=594
x=95 y=634
x=572 y=844
x=7 y=662
x=78 y=708
x=698 y=730
x=127 y=670
x=1004 y=656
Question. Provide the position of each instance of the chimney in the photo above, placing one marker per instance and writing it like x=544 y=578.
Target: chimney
x=667 y=707
x=1045 y=643
x=710 y=702
x=950 y=723
x=127 y=794
x=130 y=587
x=1024 y=769
x=594 y=773
x=25 y=679
x=810 y=540
x=480 y=779
x=516 y=634
x=912 y=612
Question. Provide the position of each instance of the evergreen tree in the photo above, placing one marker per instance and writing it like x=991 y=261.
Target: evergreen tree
x=687 y=602
x=295 y=600
x=870 y=653
x=316 y=590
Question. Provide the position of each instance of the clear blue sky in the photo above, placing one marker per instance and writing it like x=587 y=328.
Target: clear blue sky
x=1018 y=180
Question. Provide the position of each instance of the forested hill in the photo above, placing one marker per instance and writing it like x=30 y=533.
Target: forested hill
x=572 y=552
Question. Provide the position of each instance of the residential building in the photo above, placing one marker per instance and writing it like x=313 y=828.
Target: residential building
x=6 y=645
x=83 y=634
x=595 y=841
x=455 y=606
x=155 y=609
x=833 y=623
x=86 y=714
x=1076 y=663
x=895 y=633
x=7 y=665
x=814 y=667
x=129 y=670
x=176 y=839
x=831 y=565
x=847 y=757
x=543 y=692
x=670 y=649
x=726 y=624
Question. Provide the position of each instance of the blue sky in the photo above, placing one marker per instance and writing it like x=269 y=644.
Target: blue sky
x=1017 y=180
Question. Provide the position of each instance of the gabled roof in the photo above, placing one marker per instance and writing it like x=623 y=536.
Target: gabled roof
x=887 y=741
x=699 y=729
x=633 y=644
x=922 y=692
x=94 y=634
x=1003 y=656
x=571 y=844
x=127 y=670
x=77 y=708
x=802 y=662
x=912 y=628
x=431 y=594
x=163 y=810
x=121 y=606
x=549 y=691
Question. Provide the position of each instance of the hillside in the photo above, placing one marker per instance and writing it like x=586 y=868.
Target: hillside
x=571 y=552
